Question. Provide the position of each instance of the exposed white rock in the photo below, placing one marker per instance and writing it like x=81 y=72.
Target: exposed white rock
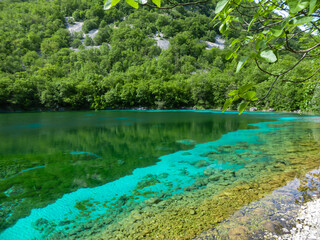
x=218 y=44
x=253 y=109
x=161 y=42
x=74 y=28
x=93 y=33
x=77 y=27
x=309 y=223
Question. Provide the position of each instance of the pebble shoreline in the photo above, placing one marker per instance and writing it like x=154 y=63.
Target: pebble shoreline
x=308 y=223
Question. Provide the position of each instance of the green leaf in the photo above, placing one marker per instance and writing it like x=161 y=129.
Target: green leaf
x=297 y=5
x=293 y=5
x=251 y=23
x=237 y=40
x=221 y=5
x=157 y=2
x=223 y=27
x=236 y=98
x=241 y=63
x=227 y=104
x=110 y=3
x=301 y=20
x=303 y=4
x=269 y=56
x=249 y=95
x=261 y=44
x=236 y=2
x=229 y=55
x=133 y=3
x=107 y=4
x=234 y=92
x=245 y=88
x=242 y=107
x=277 y=31
x=312 y=6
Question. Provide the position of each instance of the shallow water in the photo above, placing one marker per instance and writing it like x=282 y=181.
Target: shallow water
x=127 y=169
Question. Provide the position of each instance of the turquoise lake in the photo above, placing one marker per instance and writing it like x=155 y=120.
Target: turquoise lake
x=112 y=174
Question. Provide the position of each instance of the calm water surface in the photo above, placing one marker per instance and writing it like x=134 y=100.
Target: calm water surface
x=72 y=167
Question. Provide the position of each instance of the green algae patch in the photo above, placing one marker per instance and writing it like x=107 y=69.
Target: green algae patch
x=150 y=181
x=83 y=205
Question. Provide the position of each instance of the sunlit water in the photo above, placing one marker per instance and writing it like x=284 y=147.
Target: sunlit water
x=79 y=174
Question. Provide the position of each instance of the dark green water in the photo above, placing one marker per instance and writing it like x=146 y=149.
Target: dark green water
x=45 y=155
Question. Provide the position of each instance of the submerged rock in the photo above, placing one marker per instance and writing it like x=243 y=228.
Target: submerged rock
x=121 y=162
x=163 y=175
x=41 y=224
x=146 y=183
x=208 y=171
x=214 y=177
x=152 y=201
x=238 y=233
x=187 y=141
x=186 y=153
x=208 y=154
x=211 y=171
x=201 y=163
x=14 y=191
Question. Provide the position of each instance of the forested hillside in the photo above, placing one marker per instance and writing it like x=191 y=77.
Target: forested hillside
x=44 y=66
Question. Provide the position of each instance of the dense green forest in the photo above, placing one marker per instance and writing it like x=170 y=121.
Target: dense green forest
x=43 y=66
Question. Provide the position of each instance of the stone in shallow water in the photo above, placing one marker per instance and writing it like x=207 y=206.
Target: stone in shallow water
x=41 y=224
x=238 y=233
x=209 y=154
x=146 y=183
x=229 y=173
x=214 y=177
x=192 y=212
x=201 y=163
x=163 y=175
x=268 y=225
x=201 y=182
x=208 y=171
x=152 y=201
x=63 y=223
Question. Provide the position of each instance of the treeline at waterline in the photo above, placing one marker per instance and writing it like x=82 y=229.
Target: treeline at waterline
x=125 y=58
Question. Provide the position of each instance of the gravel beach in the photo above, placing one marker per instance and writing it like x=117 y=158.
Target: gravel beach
x=308 y=223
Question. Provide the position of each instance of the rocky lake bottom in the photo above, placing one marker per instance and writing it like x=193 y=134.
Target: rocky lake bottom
x=248 y=184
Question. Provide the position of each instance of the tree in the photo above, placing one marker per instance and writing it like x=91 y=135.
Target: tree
x=271 y=28
x=88 y=41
